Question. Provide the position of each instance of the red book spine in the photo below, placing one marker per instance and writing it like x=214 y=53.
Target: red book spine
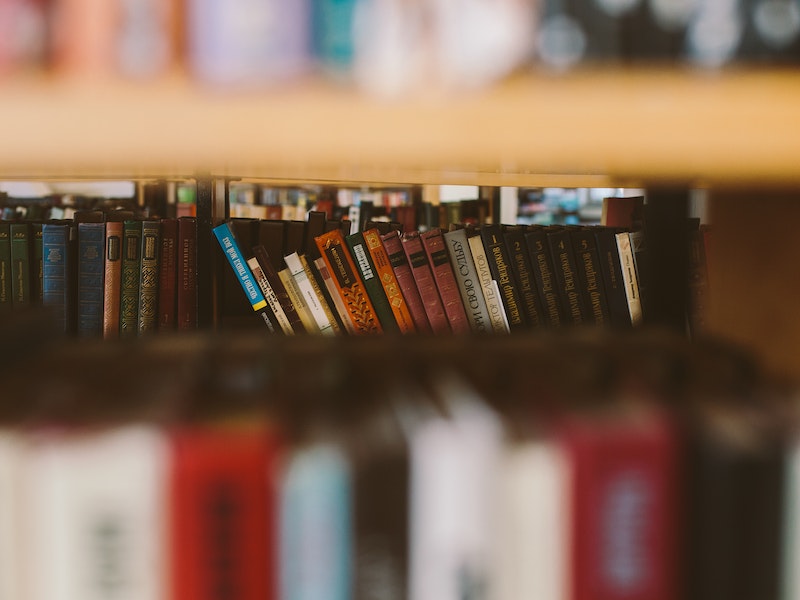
x=112 y=280
x=421 y=268
x=167 y=276
x=442 y=269
x=623 y=504
x=187 y=273
x=222 y=507
x=405 y=279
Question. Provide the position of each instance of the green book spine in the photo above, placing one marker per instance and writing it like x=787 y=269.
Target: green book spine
x=131 y=266
x=373 y=286
x=20 y=265
x=5 y=265
x=148 y=277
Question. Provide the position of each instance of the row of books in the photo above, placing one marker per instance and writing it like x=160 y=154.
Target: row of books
x=469 y=279
x=585 y=467
x=103 y=274
x=385 y=45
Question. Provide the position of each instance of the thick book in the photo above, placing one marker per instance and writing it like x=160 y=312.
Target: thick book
x=58 y=271
x=544 y=275
x=360 y=311
x=449 y=290
x=91 y=267
x=629 y=277
x=587 y=260
x=186 y=302
x=369 y=275
x=279 y=320
x=423 y=276
x=522 y=271
x=405 y=279
x=167 y=275
x=386 y=275
x=491 y=293
x=313 y=300
x=279 y=288
x=129 y=283
x=468 y=283
x=37 y=264
x=222 y=499
x=148 y=277
x=613 y=279
x=566 y=272
x=5 y=266
x=500 y=267
x=112 y=279
x=20 y=265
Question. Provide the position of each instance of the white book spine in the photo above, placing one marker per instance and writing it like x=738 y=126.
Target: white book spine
x=629 y=275
x=313 y=301
x=491 y=293
x=299 y=302
x=269 y=295
x=469 y=285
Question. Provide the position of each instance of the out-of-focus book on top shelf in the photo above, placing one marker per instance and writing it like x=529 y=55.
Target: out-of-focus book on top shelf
x=384 y=46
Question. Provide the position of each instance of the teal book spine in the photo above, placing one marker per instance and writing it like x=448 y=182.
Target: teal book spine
x=91 y=269
x=237 y=262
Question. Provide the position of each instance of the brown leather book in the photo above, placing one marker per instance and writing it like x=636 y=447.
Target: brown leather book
x=405 y=278
x=112 y=279
x=167 y=277
x=388 y=279
x=442 y=270
x=421 y=269
x=187 y=273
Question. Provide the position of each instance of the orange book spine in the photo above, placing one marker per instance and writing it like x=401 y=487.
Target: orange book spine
x=333 y=248
x=113 y=273
x=388 y=279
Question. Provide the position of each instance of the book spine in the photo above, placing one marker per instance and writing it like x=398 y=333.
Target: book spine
x=167 y=275
x=55 y=239
x=37 y=265
x=449 y=290
x=629 y=277
x=524 y=279
x=567 y=276
x=279 y=288
x=588 y=264
x=500 y=267
x=148 y=277
x=298 y=301
x=423 y=276
x=312 y=300
x=405 y=279
x=638 y=245
x=269 y=294
x=187 y=274
x=613 y=281
x=237 y=262
x=333 y=249
x=5 y=266
x=314 y=278
x=543 y=273
x=333 y=292
x=467 y=277
x=129 y=288
x=366 y=269
x=91 y=242
x=491 y=293
x=111 y=282
x=20 y=265
x=388 y=279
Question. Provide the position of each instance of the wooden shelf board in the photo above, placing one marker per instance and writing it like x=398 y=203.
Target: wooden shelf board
x=599 y=127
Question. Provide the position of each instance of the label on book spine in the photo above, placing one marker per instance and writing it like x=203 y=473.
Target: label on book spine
x=309 y=295
x=269 y=296
x=464 y=269
x=388 y=279
x=491 y=292
x=234 y=255
x=148 y=277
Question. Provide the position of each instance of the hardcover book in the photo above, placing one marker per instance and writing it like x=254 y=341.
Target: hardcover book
x=186 y=308
x=91 y=266
x=6 y=295
x=148 y=277
x=111 y=279
x=566 y=272
x=320 y=289
x=58 y=271
x=298 y=300
x=129 y=288
x=388 y=279
x=278 y=319
x=279 y=288
x=491 y=293
x=167 y=275
x=423 y=276
x=405 y=279
x=469 y=285
x=449 y=289
x=589 y=274
x=522 y=271
x=372 y=284
x=235 y=310
x=544 y=276
x=629 y=277
x=20 y=264
x=333 y=249
x=500 y=267
x=312 y=299
x=336 y=301
x=613 y=280
x=37 y=264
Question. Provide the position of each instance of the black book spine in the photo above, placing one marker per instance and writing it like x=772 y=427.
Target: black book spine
x=500 y=266
x=589 y=274
x=613 y=280
x=544 y=274
x=566 y=272
x=524 y=279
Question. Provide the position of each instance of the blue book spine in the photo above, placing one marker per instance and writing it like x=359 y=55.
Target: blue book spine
x=234 y=255
x=91 y=267
x=55 y=241
x=316 y=544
